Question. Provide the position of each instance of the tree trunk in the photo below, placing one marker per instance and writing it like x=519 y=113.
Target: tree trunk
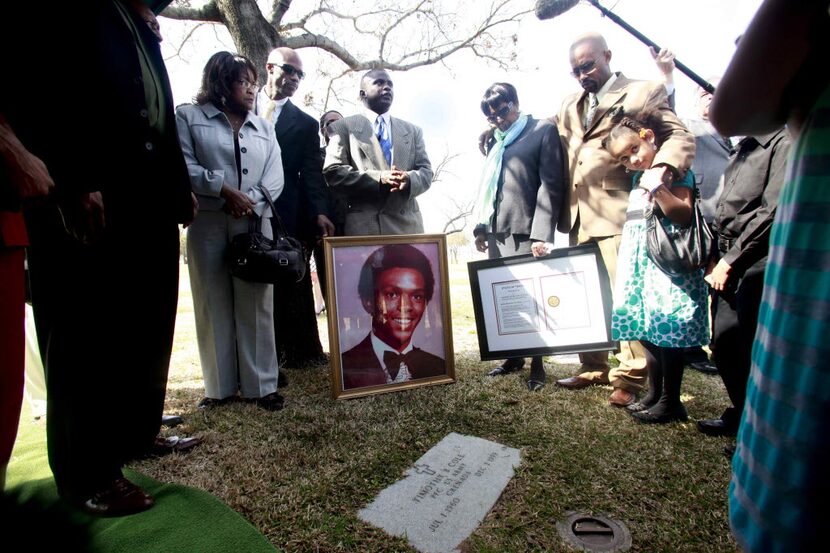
x=252 y=33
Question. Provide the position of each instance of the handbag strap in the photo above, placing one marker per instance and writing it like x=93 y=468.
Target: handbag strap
x=656 y=211
x=256 y=221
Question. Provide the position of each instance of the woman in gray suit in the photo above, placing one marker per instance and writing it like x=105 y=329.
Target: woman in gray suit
x=521 y=191
x=231 y=156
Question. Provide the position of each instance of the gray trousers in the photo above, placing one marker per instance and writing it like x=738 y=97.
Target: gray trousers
x=234 y=318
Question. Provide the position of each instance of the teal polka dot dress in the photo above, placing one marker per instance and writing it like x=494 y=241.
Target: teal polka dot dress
x=648 y=304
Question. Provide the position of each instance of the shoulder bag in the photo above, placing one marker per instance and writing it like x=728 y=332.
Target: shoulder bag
x=674 y=249
x=254 y=257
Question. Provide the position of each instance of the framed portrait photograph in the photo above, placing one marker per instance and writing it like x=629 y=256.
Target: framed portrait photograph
x=526 y=306
x=389 y=312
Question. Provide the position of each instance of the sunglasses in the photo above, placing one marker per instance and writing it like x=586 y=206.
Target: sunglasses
x=584 y=69
x=500 y=113
x=290 y=70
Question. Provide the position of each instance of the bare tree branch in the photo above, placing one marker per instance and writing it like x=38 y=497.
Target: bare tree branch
x=208 y=13
x=414 y=34
x=184 y=41
x=280 y=7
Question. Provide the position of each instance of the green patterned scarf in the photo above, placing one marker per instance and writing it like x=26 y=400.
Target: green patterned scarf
x=486 y=204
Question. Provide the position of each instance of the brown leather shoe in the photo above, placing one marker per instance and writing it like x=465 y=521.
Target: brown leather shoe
x=120 y=498
x=574 y=383
x=621 y=398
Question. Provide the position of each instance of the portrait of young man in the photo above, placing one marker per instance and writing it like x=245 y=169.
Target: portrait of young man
x=395 y=286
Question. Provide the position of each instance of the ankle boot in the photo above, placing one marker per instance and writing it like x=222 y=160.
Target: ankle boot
x=669 y=407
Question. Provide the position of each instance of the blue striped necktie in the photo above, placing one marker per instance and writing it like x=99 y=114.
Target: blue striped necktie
x=384 y=139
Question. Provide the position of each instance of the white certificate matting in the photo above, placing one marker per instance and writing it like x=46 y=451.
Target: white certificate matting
x=556 y=304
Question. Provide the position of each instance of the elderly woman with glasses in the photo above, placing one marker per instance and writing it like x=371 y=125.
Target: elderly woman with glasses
x=521 y=191
x=233 y=159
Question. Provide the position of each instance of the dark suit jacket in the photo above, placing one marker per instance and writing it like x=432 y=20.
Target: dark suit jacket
x=305 y=195
x=361 y=368
x=109 y=145
x=532 y=184
x=711 y=157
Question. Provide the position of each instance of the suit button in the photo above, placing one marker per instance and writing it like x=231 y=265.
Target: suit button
x=579 y=163
x=241 y=135
x=148 y=145
x=244 y=150
x=244 y=171
x=144 y=113
x=403 y=212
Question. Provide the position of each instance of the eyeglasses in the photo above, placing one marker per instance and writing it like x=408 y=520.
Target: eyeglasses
x=585 y=69
x=244 y=83
x=500 y=113
x=290 y=70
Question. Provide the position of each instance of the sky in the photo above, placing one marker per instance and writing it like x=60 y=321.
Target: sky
x=444 y=99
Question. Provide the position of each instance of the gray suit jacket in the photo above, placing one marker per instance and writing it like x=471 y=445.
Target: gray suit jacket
x=711 y=158
x=354 y=161
x=532 y=185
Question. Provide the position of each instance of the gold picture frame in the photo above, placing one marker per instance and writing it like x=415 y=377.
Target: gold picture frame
x=388 y=294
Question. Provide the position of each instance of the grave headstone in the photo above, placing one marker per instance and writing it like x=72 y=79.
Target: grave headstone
x=446 y=494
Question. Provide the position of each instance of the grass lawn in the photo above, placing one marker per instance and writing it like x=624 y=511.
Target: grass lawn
x=300 y=475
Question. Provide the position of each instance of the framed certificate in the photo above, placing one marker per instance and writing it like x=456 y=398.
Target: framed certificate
x=526 y=306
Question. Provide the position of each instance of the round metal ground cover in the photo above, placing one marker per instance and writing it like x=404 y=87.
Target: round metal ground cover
x=594 y=533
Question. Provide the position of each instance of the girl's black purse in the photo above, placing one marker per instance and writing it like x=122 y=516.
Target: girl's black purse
x=254 y=257
x=674 y=249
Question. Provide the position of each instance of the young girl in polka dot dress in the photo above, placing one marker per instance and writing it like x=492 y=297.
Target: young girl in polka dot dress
x=665 y=313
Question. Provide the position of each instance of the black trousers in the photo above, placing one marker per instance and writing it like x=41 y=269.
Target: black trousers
x=295 y=322
x=735 y=319
x=105 y=315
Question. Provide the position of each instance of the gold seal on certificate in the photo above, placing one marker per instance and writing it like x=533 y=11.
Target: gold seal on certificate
x=553 y=301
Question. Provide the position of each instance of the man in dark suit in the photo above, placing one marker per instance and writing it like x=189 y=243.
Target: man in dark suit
x=378 y=164
x=302 y=206
x=396 y=284
x=104 y=249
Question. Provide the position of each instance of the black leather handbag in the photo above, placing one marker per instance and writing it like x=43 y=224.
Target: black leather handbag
x=254 y=257
x=674 y=249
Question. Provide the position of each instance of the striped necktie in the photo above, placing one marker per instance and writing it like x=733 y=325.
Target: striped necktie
x=592 y=109
x=384 y=139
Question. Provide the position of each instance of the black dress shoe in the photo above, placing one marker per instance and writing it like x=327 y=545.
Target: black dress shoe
x=171 y=421
x=505 y=368
x=535 y=385
x=705 y=367
x=209 y=402
x=678 y=414
x=716 y=427
x=173 y=444
x=121 y=497
x=271 y=402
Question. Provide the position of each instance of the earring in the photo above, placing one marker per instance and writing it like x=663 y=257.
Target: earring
x=224 y=101
x=627 y=171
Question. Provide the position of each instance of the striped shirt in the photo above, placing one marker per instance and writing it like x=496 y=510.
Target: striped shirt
x=779 y=497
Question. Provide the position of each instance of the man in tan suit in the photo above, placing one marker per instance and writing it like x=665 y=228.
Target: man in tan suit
x=599 y=187
x=378 y=164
